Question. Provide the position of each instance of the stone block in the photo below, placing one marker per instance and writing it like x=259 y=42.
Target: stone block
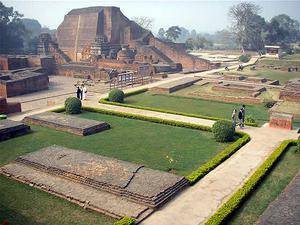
x=10 y=129
x=67 y=123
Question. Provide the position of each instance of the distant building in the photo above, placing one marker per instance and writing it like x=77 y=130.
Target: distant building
x=273 y=51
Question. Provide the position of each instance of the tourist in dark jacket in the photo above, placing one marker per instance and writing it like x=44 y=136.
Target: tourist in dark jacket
x=78 y=93
x=244 y=114
x=240 y=116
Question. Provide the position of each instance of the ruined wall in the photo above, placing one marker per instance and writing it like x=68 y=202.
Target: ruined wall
x=9 y=107
x=13 y=62
x=15 y=85
x=177 y=55
x=82 y=71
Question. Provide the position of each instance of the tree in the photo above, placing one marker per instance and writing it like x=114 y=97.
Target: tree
x=173 y=33
x=161 y=33
x=11 y=30
x=288 y=28
x=244 y=19
x=144 y=22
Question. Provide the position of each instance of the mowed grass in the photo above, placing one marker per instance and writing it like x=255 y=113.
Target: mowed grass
x=196 y=106
x=150 y=144
x=272 y=185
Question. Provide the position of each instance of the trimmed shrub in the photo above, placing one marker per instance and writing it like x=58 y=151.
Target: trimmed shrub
x=269 y=105
x=116 y=95
x=249 y=119
x=223 y=131
x=73 y=105
x=125 y=221
x=3 y=117
x=244 y=58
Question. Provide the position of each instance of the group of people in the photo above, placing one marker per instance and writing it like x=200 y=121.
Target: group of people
x=240 y=115
x=81 y=92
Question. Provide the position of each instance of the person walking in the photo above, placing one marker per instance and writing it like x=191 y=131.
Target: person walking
x=84 y=91
x=78 y=92
x=244 y=114
x=233 y=118
x=240 y=116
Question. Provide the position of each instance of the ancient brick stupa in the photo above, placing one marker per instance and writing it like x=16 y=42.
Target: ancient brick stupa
x=81 y=27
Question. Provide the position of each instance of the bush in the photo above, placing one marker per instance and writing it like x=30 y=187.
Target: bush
x=116 y=95
x=298 y=145
x=249 y=119
x=270 y=104
x=244 y=58
x=125 y=221
x=223 y=131
x=73 y=105
x=3 y=117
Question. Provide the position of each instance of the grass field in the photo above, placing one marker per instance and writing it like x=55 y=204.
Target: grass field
x=196 y=106
x=268 y=190
x=137 y=141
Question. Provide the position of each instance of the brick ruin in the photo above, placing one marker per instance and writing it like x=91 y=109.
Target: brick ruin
x=24 y=81
x=96 y=33
x=9 y=107
x=110 y=186
x=291 y=91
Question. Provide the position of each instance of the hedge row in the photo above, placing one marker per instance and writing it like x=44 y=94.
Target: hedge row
x=106 y=101
x=125 y=221
x=218 y=159
x=240 y=195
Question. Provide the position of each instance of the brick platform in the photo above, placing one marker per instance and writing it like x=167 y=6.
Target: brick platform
x=175 y=85
x=281 y=120
x=63 y=122
x=10 y=129
x=111 y=186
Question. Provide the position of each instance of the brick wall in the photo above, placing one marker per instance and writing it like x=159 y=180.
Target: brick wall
x=179 y=56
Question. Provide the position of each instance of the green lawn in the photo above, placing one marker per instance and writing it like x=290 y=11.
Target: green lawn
x=282 y=76
x=268 y=190
x=132 y=140
x=196 y=106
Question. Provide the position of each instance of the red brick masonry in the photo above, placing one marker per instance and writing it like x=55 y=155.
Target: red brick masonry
x=280 y=120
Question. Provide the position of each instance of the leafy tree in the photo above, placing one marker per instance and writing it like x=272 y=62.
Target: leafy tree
x=33 y=30
x=11 y=29
x=144 y=22
x=288 y=28
x=173 y=33
x=161 y=33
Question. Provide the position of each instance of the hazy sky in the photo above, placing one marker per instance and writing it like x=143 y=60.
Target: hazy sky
x=203 y=16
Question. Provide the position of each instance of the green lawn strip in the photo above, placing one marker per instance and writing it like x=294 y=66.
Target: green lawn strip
x=240 y=195
x=21 y=204
x=106 y=101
